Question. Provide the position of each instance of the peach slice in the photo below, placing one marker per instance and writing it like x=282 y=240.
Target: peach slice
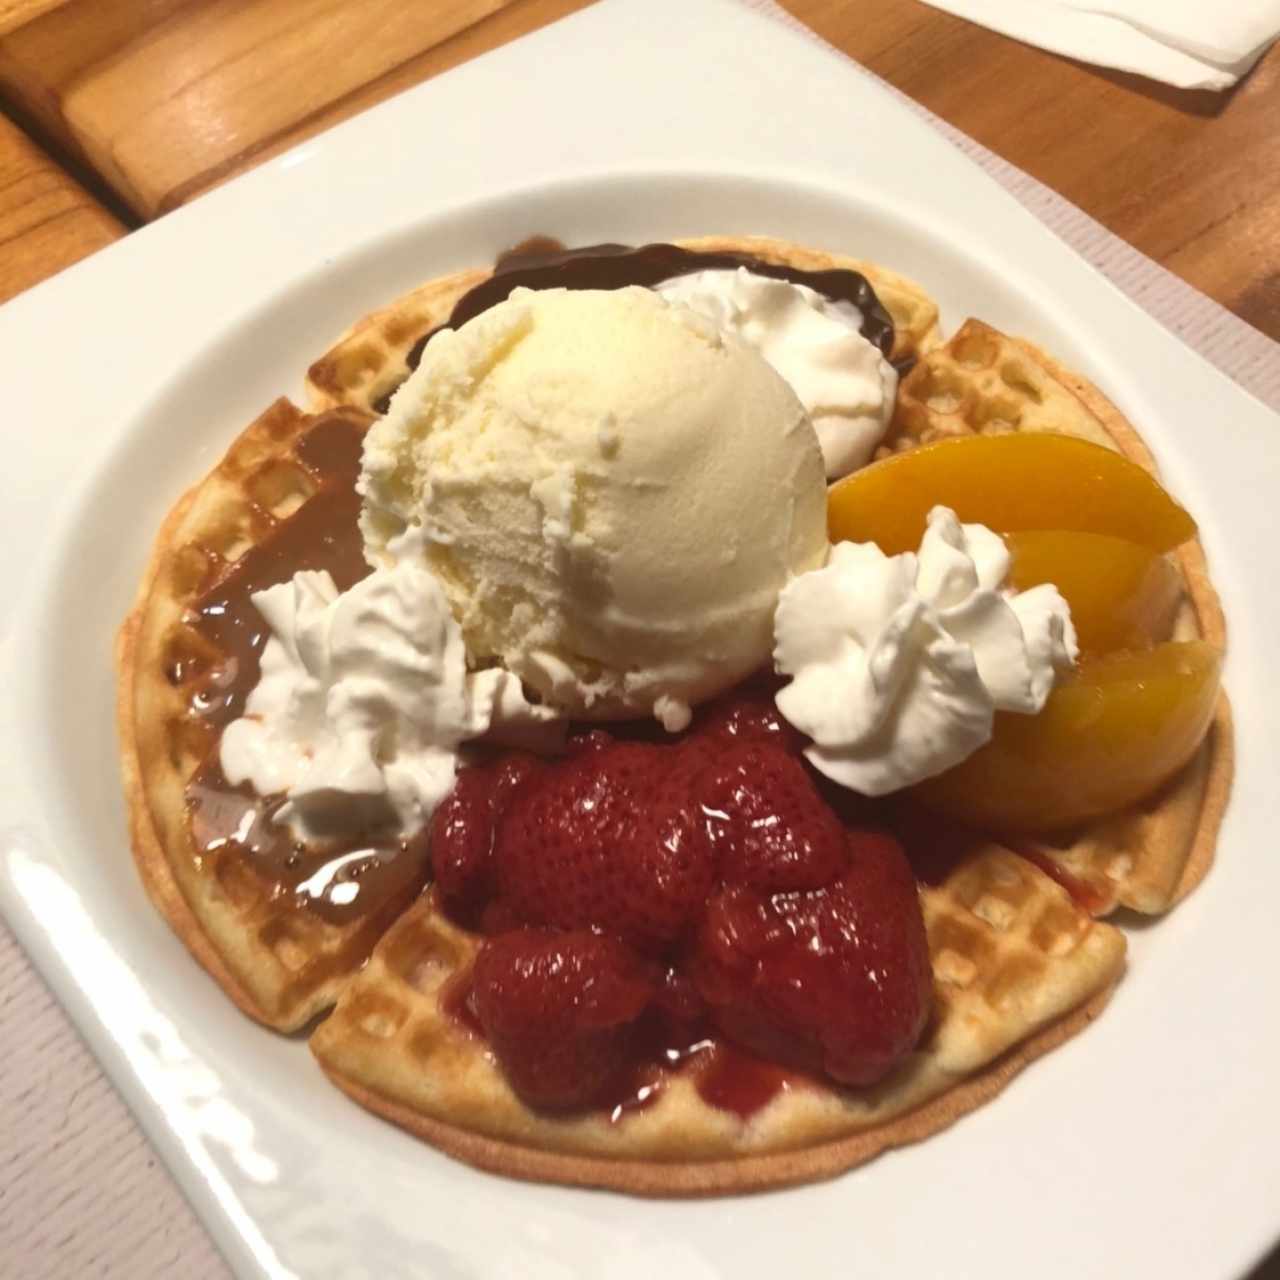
x=1122 y=595
x=1109 y=736
x=1007 y=482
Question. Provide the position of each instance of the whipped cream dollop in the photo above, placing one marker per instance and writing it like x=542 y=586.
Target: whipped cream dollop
x=364 y=701
x=898 y=663
x=846 y=386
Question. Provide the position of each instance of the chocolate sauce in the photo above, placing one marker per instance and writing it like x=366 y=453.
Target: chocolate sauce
x=322 y=534
x=544 y=263
x=337 y=880
x=541 y=264
x=340 y=881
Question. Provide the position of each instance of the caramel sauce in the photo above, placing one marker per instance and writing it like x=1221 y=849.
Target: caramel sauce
x=339 y=881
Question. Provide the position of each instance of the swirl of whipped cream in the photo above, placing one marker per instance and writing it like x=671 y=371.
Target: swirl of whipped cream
x=898 y=663
x=846 y=386
x=363 y=702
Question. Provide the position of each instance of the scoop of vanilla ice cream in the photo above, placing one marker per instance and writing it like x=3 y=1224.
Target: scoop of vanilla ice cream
x=612 y=491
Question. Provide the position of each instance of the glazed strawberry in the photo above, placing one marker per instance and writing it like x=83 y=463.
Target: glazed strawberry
x=833 y=980
x=768 y=825
x=560 y=1011
x=748 y=715
x=609 y=838
x=464 y=826
x=678 y=997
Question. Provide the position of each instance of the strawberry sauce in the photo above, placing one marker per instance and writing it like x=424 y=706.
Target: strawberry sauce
x=1087 y=898
x=735 y=1081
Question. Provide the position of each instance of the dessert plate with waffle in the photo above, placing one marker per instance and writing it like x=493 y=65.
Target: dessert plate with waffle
x=741 y=713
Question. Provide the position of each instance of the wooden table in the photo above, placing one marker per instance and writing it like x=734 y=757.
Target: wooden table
x=116 y=111
x=47 y=220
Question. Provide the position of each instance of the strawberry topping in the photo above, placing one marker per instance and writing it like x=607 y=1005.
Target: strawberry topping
x=749 y=715
x=560 y=1010
x=463 y=830
x=767 y=823
x=698 y=881
x=610 y=838
x=833 y=980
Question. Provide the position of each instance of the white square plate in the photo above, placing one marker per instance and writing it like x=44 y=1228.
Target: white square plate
x=1149 y=1145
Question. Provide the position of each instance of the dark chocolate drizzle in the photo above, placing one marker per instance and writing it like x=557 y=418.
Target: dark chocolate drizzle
x=615 y=266
x=544 y=263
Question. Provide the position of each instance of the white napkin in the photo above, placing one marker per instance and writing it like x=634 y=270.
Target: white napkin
x=1194 y=44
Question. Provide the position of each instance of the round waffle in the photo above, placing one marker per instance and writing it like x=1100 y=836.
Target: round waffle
x=1019 y=963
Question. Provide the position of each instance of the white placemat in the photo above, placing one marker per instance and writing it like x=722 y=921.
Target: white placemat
x=81 y=1192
